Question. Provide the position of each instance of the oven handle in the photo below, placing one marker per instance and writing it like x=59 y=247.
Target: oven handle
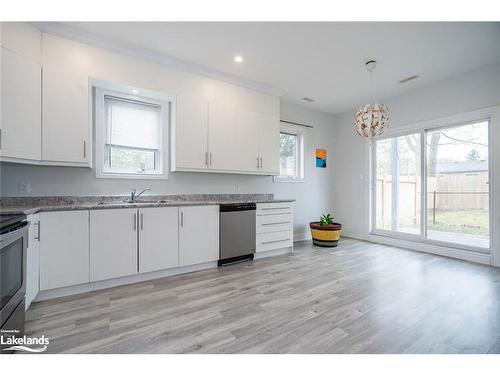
x=16 y=233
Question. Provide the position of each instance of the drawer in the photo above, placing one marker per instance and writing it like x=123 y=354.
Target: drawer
x=273 y=241
x=274 y=208
x=274 y=223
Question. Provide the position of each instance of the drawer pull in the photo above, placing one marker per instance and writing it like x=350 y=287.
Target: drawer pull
x=275 y=208
x=268 y=242
x=279 y=222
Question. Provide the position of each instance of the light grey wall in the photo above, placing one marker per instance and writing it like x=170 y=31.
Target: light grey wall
x=314 y=196
x=474 y=90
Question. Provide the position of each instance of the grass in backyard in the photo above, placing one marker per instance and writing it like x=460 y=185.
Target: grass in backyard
x=474 y=222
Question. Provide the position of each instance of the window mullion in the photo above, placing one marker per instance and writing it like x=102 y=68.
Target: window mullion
x=423 y=184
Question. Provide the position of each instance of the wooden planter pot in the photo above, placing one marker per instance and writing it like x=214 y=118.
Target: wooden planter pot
x=325 y=236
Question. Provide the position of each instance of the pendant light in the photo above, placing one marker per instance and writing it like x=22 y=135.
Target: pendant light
x=371 y=120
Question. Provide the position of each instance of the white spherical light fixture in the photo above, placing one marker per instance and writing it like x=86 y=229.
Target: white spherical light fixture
x=371 y=120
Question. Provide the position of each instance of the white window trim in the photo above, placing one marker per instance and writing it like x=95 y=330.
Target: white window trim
x=300 y=132
x=487 y=114
x=165 y=101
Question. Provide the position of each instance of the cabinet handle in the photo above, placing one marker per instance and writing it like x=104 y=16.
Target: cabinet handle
x=210 y=159
x=182 y=219
x=278 y=222
x=135 y=222
x=261 y=163
x=206 y=158
x=258 y=162
x=268 y=242
x=84 y=149
x=37 y=231
x=142 y=220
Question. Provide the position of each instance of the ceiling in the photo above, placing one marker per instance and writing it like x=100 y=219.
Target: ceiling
x=323 y=61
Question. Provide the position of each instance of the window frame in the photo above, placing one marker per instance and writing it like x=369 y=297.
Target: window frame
x=300 y=133
x=423 y=128
x=166 y=104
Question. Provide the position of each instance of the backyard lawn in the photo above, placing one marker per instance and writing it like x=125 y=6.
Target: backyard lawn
x=474 y=222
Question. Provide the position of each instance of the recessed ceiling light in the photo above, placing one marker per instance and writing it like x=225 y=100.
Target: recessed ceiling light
x=238 y=59
x=408 y=79
x=308 y=99
x=135 y=91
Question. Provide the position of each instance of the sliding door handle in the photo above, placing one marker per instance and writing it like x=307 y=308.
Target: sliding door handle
x=142 y=221
x=210 y=159
x=135 y=222
x=84 y=149
x=182 y=219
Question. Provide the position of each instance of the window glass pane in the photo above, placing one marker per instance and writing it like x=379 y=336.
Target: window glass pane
x=398 y=183
x=128 y=160
x=288 y=155
x=132 y=124
x=457 y=185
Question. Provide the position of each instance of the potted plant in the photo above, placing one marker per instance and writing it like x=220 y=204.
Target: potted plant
x=325 y=232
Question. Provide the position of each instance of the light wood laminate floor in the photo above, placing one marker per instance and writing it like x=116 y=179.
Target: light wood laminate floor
x=357 y=298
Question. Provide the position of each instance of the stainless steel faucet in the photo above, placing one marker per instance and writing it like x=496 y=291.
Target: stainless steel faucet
x=134 y=196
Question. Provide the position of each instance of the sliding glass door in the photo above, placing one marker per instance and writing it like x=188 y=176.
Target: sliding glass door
x=398 y=184
x=451 y=203
x=458 y=185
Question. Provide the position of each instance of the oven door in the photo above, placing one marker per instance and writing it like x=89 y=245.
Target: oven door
x=13 y=246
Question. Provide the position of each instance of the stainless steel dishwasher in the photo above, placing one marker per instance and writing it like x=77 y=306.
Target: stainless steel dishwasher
x=237 y=232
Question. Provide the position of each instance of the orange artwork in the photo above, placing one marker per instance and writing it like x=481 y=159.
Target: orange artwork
x=320 y=158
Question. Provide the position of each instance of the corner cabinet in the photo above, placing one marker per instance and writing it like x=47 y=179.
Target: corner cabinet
x=210 y=136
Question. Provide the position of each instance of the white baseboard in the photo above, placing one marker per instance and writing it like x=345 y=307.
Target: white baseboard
x=471 y=256
x=97 y=285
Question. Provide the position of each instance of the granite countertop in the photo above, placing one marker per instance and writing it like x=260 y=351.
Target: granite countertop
x=31 y=205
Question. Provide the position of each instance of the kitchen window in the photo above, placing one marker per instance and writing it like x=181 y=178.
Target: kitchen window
x=291 y=154
x=131 y=135
x=433 y=184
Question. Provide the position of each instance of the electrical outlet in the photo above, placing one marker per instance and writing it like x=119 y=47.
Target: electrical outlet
x=24 y=187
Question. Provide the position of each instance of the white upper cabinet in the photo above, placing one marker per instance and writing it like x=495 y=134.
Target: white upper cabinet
x=20 y=136
x=218 y=136
x=66 y=127
x=22 y=39
x=223 y=154
x=190 y=150
x=269 y=143
x=198 y=235
x=113 y=243
x=158 y=238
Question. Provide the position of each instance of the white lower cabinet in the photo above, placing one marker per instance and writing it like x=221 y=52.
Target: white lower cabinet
x=64 y=248
x=113 y=243
x=274 y=226
x=32 y=261
x=198 y=235
x=158 y=238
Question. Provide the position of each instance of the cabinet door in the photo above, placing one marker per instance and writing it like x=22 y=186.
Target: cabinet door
x=32 y=261
x=191 y=135
x=221 y=135
x=198 y=235
x=66 y=125
x=21 y=107
x=64 y=248
x=247 y=140
x=113 y=243
x=269 y=143
x=158 y=238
